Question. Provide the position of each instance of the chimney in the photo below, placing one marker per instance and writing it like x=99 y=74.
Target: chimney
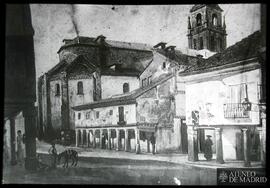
x=170 y=52
x=66 y=41
x=100 y=39
x=161 y=44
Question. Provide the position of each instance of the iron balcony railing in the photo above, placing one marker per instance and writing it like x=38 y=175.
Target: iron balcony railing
x=235 y=110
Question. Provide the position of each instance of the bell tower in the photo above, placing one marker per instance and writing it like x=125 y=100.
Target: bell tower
x=205 y=28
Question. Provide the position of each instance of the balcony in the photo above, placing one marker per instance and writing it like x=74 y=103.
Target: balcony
x=236 y=110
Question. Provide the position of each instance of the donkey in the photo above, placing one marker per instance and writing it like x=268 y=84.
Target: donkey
x=69 y=154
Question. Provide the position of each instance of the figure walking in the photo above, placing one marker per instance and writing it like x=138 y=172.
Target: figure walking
x=53 y=152
x=19 y=148
x=153 y=142
x=208 y=153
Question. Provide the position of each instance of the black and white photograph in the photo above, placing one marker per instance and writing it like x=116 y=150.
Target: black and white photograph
x=115 y=94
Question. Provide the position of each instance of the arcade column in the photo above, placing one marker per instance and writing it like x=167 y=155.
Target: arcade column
x=29 y=114
x=219 y=146
x=192 y=144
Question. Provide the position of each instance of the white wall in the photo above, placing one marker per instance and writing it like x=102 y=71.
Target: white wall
x=113 y=85
x=217 y=93
x=105 y=119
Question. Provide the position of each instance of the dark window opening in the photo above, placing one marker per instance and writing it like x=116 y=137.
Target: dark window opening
x=111 y=112
x=87 y=116
x=97 y=115
x=164 y=65
x=125 y=87
x=80 y=88
x=149 y=80
x=199 y=19
x=195 y=44
x=144 y=82
x=201 y=43
x=94 y=89
x=212 y=43
x=214 y=19
x=79 y=115
x=57 y=90
x=220 y=44
x=121 y=113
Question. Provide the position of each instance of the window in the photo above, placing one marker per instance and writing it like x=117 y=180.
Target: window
x=201 y=43
x=199 y=19
x=125 y=87
x=238 y=93
x=214 y=19
x=149 y=80
x=144 y=82
x=164 y=65
x=79 y=115
x=111 y=112
x=97 y=115
x=94 y=89
x=195 y=44
x=87 y=115
x=57 y=89
x=80 y=88
x=212 y=43
x=220 y=44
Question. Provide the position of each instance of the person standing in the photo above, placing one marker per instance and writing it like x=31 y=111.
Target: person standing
x=19 y=147
x=153 y=142
x=208 y=152
x=53 y=152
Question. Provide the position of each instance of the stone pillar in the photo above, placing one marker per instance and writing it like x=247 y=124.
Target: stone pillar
x=77 y=138
x=29 y=115
x=126 y=139
x=137 y=138
x=219 y=146
x=117 y=139
x=263 y=133
x=109 y=138
x=94 y=138
x=246 y=148
x=12 y=141
x=82 y=137
x=192 y=144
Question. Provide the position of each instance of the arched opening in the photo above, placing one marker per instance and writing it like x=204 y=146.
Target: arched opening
x=57 y=89
x=199 y=19
x=201 y=43
x=125 y=87
x=80 y=88
x=212 y=43
x=195 y=44
x=214 y=19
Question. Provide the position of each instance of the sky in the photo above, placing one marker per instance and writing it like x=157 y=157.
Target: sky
x=148 y=24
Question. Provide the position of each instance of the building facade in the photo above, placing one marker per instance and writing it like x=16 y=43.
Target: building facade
x=126 y=121
x=222 y=100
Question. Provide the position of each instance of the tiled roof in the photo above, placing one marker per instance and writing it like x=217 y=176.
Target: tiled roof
x=245 y=49
x=179 y=57
x=65 y=66
x=123 y=99
x=110 y=43
x=198 y=6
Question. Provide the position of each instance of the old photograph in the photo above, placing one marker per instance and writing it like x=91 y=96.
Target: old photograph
x=135 y=94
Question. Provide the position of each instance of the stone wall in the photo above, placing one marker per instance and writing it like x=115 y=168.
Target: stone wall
x=113 y=85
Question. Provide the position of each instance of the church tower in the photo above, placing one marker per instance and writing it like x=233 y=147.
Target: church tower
x=205 y=28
